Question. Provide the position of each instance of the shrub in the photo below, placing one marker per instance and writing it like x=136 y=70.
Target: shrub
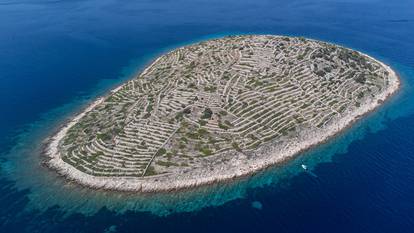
x=161 y=151
x=207 y=113
x=206 y=151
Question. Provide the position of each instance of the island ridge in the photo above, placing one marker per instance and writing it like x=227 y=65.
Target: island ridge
x=217 y=110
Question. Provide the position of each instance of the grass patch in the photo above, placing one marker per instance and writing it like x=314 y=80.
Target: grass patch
x=205 y=151
x=166 y=163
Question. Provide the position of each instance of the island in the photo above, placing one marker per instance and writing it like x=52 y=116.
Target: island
x=218 y=110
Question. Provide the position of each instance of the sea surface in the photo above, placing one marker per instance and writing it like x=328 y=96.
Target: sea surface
x=58 y=56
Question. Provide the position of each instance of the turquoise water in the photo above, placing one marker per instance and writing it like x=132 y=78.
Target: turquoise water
x=58 y=56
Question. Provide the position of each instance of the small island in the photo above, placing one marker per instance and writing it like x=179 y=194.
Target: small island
x=218 y=110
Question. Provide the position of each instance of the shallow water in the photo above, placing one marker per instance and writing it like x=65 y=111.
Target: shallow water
x=56 y=56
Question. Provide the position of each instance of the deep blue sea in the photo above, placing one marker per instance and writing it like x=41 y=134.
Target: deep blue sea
x=56 y=56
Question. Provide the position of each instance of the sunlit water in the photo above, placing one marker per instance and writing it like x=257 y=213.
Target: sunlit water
x=57 y=56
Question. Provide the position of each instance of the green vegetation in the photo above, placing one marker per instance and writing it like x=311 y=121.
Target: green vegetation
x=161 y=152
x=236 y=146
x=179 y=116
x=360 y=79
x=104 y=136
x=166 y=163
x=210 y=89
x=222 y=126
x=151 y=171
x=202 y=132
x=223 y=113
x=207 y=113
x=205 y=151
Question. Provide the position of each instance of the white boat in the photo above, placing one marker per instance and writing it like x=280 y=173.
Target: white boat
x=304 y=167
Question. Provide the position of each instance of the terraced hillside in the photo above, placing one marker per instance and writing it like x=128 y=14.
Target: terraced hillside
x=203 y=104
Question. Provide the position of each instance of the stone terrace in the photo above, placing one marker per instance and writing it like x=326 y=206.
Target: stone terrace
x=234 y=94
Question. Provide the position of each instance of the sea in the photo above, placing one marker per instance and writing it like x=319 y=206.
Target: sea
x=57 y=56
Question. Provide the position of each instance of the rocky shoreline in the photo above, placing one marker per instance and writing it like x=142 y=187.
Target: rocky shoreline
x=238 y=166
